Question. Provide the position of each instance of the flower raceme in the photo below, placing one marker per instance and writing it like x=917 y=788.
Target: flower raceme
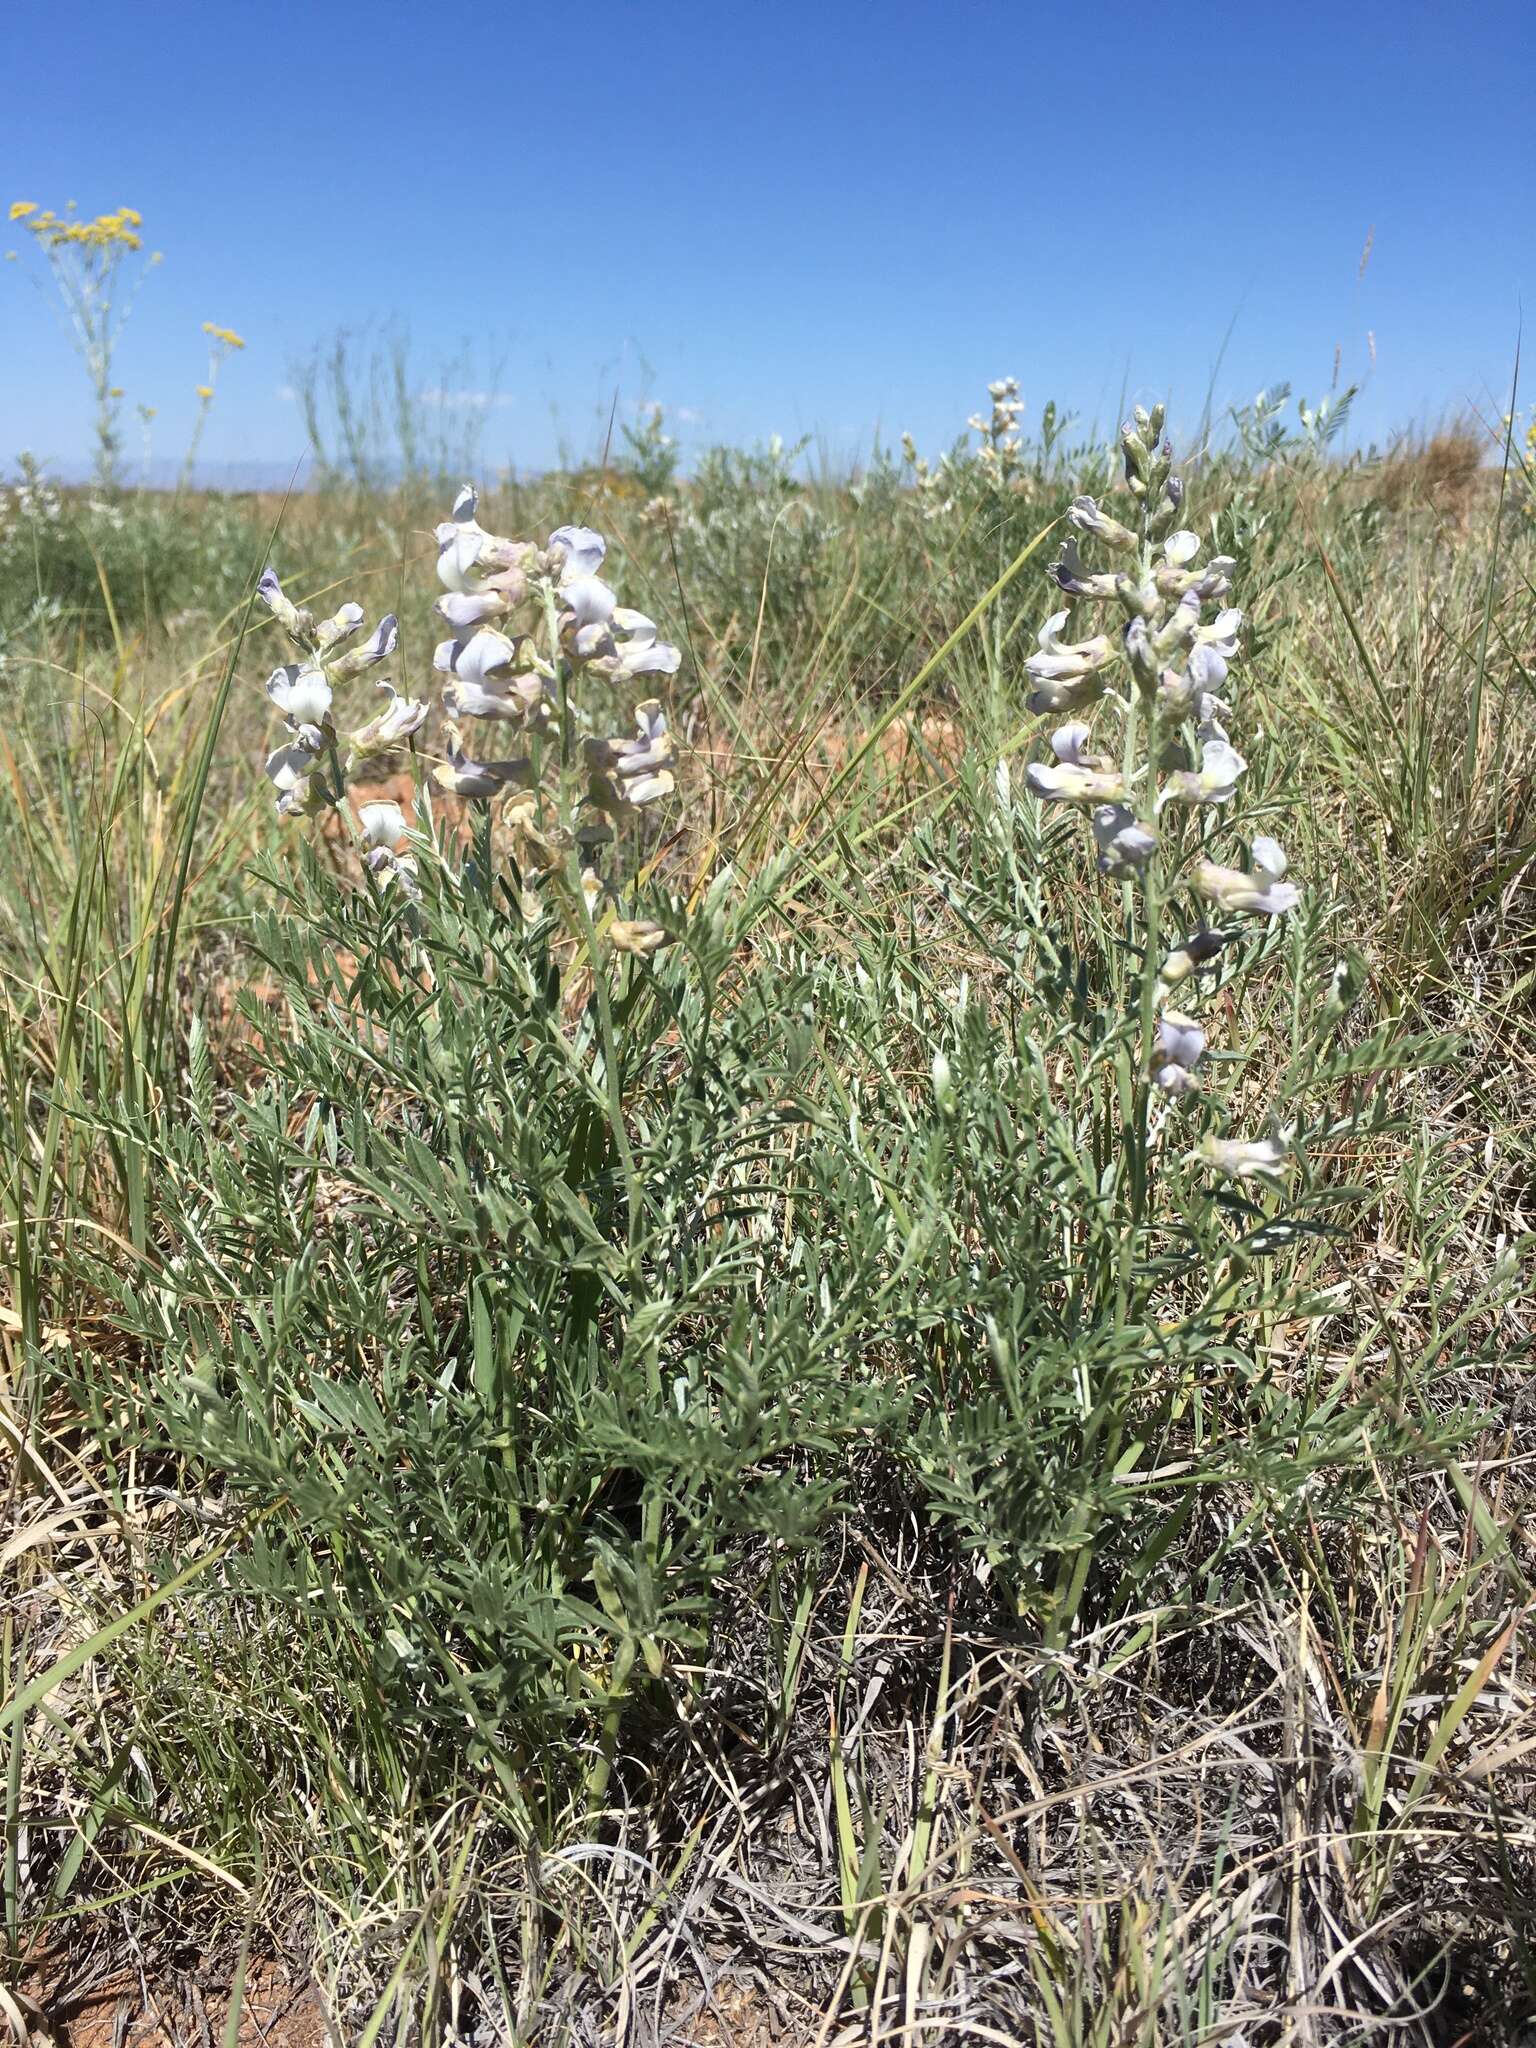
x=498 y=676
x=526 y=625
x=304 y=692
x=1157 y=669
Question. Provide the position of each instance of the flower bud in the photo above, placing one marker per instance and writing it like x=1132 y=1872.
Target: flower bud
x=379 y=645
x=1140 y=654
x=943 y=1085
x=1178 y=630
x=1087 y=517
x=1138 y=600
x=1197 y=951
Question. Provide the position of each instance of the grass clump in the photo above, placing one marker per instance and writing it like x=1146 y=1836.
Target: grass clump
x=100 y=569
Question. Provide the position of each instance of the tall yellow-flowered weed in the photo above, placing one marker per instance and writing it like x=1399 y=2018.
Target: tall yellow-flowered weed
x=98 y=268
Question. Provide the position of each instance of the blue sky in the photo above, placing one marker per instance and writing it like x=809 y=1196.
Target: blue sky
x=834 y=219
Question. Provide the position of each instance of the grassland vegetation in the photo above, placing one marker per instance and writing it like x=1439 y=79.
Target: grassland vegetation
x=846 y=1368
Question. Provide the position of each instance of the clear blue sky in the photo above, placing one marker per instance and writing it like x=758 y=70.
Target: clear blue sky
x=829 y=218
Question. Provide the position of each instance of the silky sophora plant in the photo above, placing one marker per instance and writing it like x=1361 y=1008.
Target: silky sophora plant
x=1153 y=800
x=527 y=626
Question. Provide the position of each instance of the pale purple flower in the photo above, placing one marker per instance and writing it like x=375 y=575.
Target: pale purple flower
x=1087 y=517
x=1125 y=844
x=581 y=552
x=638 y=652
x=464 y=611
x=1232 y=890
x=1073 y=782
x=1177 y=1052
x=478 y=660
x=1206 y=667
x=487 y=683
x=400 y=719
x=288 y=614
x=1246 y=1158
x=383 y=825
x=458 y=544
x=625 y=775
x=290 y=770
x=1215 y=782
x=1064 y=674
x=638 y=936
x=591 y=607
x=340 y=626
x=479 y=780
x=1179 y=629
x=379 y=646
x=1216 y=580
x=1069 y=741
x=1070 y=573
x=302 y=693
x=1197 y=951
x=1269 y=855
x=1139 y=652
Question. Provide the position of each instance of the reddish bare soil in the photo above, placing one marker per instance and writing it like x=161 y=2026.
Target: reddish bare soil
x=124 y=2012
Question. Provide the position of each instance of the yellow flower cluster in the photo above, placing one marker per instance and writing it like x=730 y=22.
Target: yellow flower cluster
x=107 y=231
x=225 y=334
x=205 y=391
